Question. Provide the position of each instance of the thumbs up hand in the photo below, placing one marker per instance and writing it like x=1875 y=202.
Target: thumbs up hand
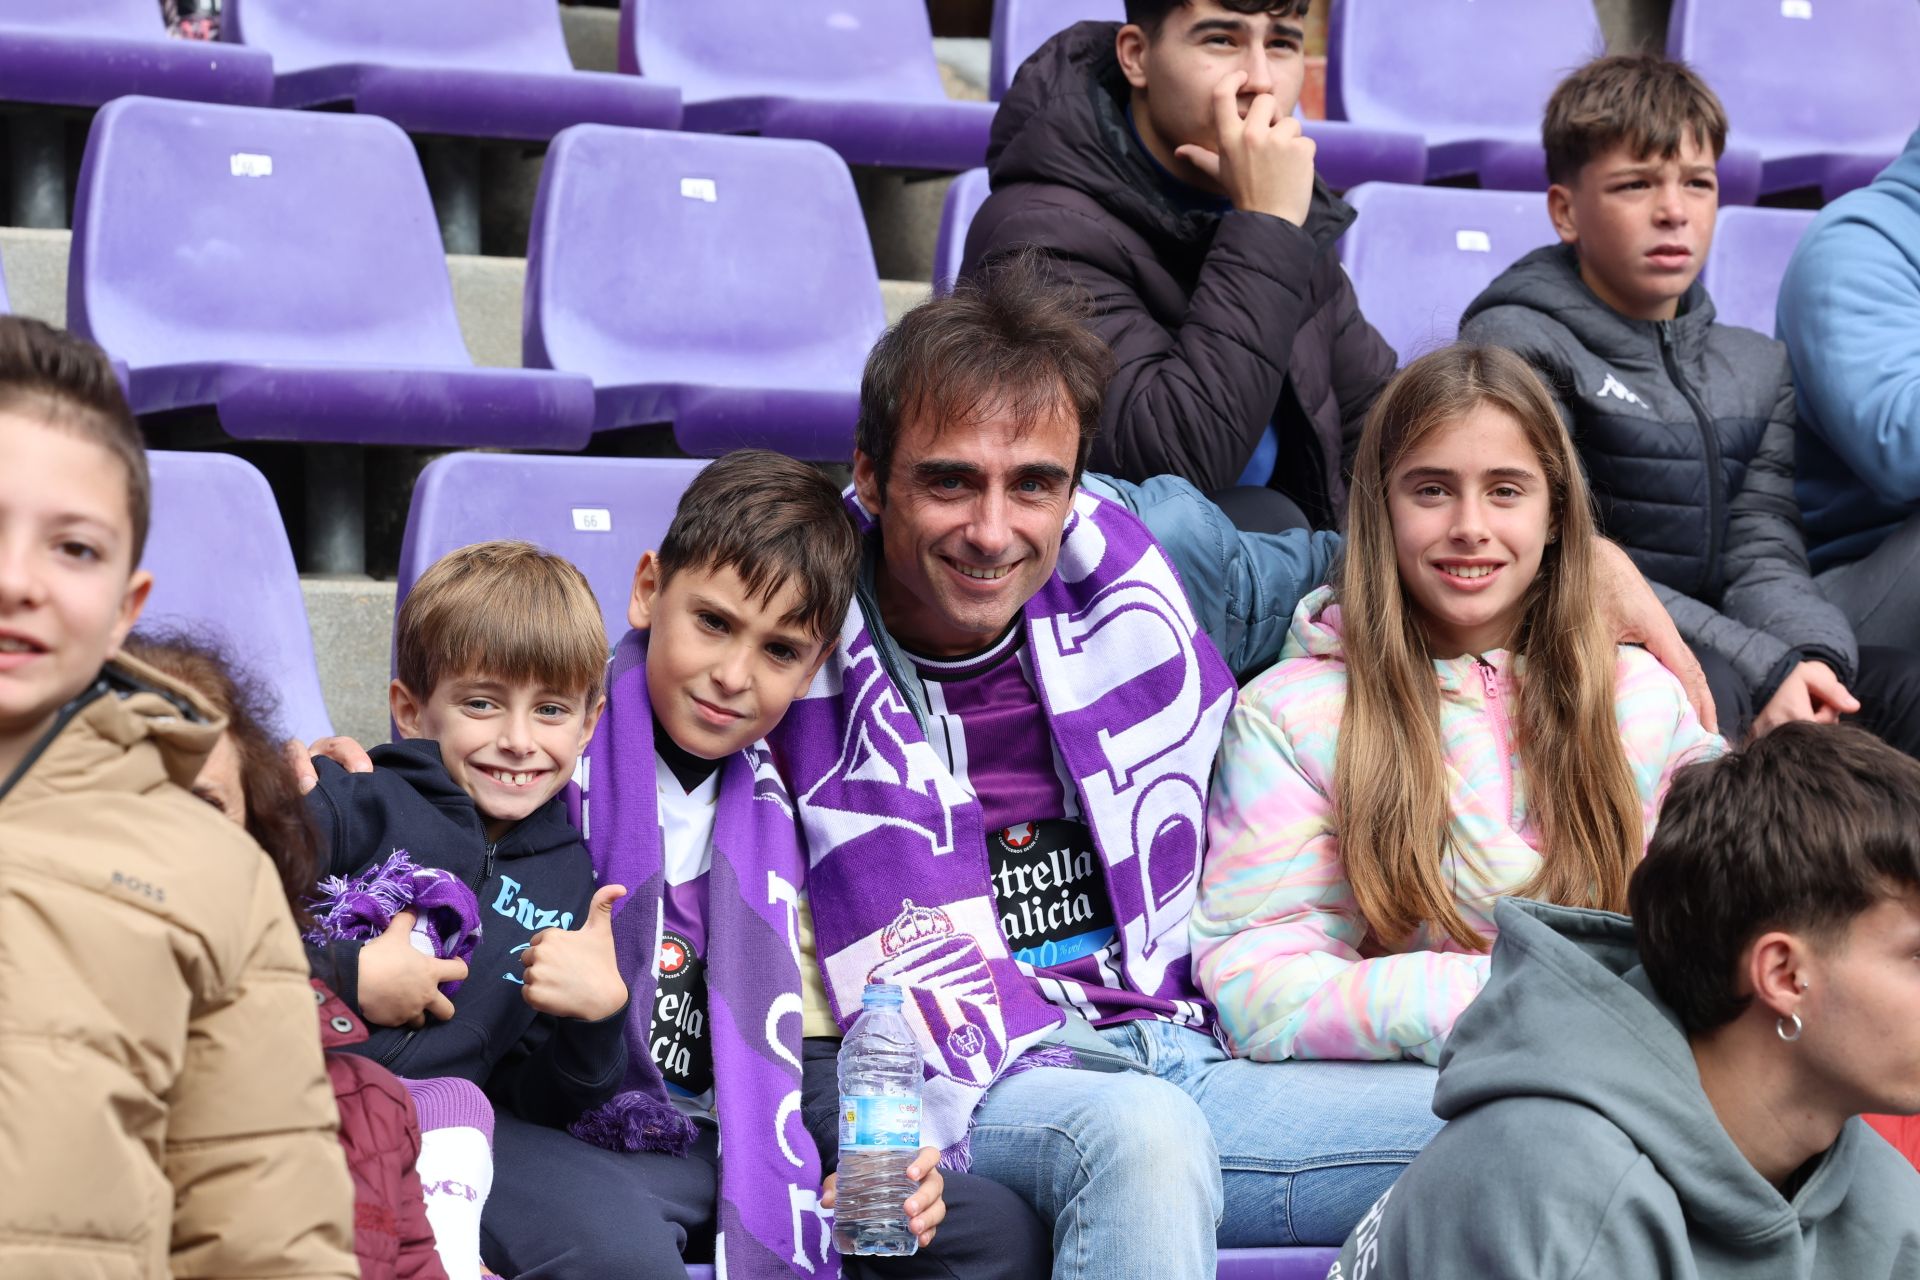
x=572 y=973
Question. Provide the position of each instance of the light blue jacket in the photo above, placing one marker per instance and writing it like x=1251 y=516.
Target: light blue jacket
x=1849 y=313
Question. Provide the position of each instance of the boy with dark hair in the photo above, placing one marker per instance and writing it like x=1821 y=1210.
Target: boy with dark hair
x=1677 y=1094
x=1159 y=167
x=163 y=1105
x=1685 y=425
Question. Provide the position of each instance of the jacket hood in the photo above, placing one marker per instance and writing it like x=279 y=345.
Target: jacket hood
x=1548 y=280
x=1064 y=121
x=1316 y=633
x=129 y=731
x=1901 y=179
x=1569 y=1014
x=418 y=763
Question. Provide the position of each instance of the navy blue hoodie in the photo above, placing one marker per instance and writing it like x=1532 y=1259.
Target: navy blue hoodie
x=537 y=876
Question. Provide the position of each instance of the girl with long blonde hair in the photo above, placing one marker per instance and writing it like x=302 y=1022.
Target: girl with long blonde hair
x=1450 y=723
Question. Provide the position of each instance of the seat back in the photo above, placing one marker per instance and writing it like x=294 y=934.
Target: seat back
x=600 y=513
x=238 y=233
x=1021 y=26
x=1807 y=76
x=469 y=35
x=692 y=258
x=1750 y=252
x=112 y=19
x=851 y=49
x=964 y=198
x=1460 y=69
x=222 y=568
x=1419 y=255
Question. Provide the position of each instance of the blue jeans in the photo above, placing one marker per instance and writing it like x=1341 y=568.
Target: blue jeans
x=1145 y=1174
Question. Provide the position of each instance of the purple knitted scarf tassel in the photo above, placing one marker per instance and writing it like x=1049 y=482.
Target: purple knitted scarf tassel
x=636 y=1121
x=358 y=907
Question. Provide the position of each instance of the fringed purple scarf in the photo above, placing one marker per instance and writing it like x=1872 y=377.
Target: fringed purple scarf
x=900 y=884
x=770 y=1223
x=355 y=908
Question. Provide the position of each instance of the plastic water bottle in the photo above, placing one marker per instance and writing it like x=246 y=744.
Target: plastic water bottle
x=879 y=1128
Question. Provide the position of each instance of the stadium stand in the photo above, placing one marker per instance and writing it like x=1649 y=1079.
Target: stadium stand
x=1826 y=93
x=322 y=312
x=1474 y=85
x=450 y=72
x=1418 y=255
x=857 y=75
x=964 y=198
x=723 y=285
x=210 y=509
x=1749 y=255
x=466 y=68
x=82 y=54
x=1346 y=154
x=600 y=513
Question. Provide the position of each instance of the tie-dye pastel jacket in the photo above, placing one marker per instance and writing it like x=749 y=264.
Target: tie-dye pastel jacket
x=1278 y=941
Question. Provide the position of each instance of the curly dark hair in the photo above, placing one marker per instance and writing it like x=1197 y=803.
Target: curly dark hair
x=276 y=815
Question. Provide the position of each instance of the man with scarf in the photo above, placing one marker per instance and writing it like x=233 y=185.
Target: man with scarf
x=1001 y=775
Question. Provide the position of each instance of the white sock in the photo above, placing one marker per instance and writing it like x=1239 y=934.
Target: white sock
x=456 y=1167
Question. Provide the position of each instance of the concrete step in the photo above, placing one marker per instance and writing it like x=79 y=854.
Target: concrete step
x=486 y=291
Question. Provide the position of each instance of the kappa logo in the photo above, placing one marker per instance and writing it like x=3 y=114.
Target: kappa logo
x=1619 y=391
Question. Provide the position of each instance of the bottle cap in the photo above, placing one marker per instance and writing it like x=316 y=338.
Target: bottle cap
x=881 y=995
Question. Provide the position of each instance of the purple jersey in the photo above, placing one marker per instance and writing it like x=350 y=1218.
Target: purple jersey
x=1049 y=884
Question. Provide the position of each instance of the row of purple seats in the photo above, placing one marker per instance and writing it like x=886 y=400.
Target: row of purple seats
x=1346 y=154
x=1418 y=255
x=723 y=285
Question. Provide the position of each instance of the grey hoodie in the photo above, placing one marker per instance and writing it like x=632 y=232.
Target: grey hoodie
x=1579 y=1143
x=1686 y=429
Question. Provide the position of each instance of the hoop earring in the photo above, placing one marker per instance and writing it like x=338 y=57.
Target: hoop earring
x=1780 y=1027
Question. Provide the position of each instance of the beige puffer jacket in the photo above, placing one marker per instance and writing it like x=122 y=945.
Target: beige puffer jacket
x=163 y=1106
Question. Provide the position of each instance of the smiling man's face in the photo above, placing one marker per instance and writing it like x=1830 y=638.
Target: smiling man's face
x=970 y=523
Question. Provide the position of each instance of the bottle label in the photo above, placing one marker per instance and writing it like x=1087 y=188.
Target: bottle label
x=879 y=1123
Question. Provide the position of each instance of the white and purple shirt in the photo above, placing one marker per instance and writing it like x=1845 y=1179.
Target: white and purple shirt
x=682 y=1049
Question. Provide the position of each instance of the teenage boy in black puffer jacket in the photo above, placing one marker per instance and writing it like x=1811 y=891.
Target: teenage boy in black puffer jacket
x=1685 y=425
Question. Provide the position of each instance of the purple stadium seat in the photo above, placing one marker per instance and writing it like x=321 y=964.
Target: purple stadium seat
x=1475 y=84
x=858 y=75
x=964 y=198
x=724 y=285
x=311 y=300
x=1346 y=154
x=82 y=53
x=1749 y=255
x=1419 y=255
x=1826 y=92
x=467 y=68
x=221 y=566
x=600 y=513
x=1235 y=1264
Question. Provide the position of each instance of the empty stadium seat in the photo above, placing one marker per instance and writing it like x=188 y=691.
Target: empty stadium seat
x=723 y=285
x=1419 y=255
x=1475 y=82
x=283 y=269
x=964 y=198
x=82 y=53
x=600 y=513
x=466 y=68
x=222 y=568
x=858 y=75
x=1346 y=154
x=1749 y=255
x=1825 y=91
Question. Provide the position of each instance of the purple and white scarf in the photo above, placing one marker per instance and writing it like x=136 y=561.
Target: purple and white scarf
x=769 y=1220
x=359 y=907
x=1136 y=697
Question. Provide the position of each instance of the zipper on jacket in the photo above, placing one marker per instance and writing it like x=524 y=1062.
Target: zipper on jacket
x=388 y=1058
x=86 y=698
x=1497 y=712
x=486 y=866
x=1716 y=481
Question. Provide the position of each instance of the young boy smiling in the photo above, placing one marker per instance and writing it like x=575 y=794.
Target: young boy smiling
x=1685 y=426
